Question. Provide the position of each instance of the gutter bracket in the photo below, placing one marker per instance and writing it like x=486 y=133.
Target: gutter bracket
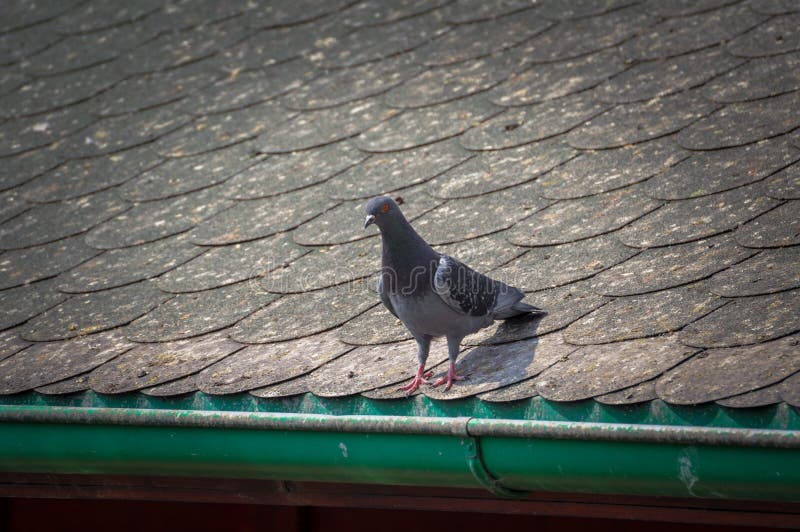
x=472 y=454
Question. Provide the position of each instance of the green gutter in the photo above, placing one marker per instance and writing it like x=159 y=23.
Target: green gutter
x=507 y=457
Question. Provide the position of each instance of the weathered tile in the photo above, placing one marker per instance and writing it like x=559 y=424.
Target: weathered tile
x=368 y=44
x=676 y=36
x=490 y=367
x=311 y=129
x=154 y=364
x=22 y=167
x=638 y=393
x=453 y=82
x=299 y=315
x=278 y=45
x=370 y=367
x=550 y=81
x=118 y=267
x=11 y=205
x=743 y=123
x=756 y=79
x=661 y=268
x=571 y=220
x=551 y=266
x=11 y=342
x=484 y=253
x=479 y=39
x=27 y=133
x=746 y=320
x=715 y=171
x=117 y=133
x=179 y=176
x=224 y=265
x=46 y=363
x=418 y=127
x=574 y=38
x=261 y=365
x=90 y=313
x=11 y=79
x=775 y=36
x=640 y=316
x=76 y=384
x=637 y=122
x=765 y=396
x=291 y=171
x=189 y=315
x=154 y=220
x=597 y=370
x=597 y=171
x=785 y=184
x=184 y=385
x=185 y=14
x=496 y=170
x=465 y=11
x=790 y=386
x=375 y=326
x=563 y=305
x=275 y=14
x=243 y=89
x=80 y=177
x=22 y=303
x=382 y=173
x=251 y=220
x=463 y=219
x=772 y=270
x=50 y=93
x=213 y=132
x=522 y=390
x=776 y=228
x=660 y=78
x=93 y=16
x=54 y=221
x=325 y=266
x=172 y=49
x=700 y=218
x=680 y=8
x=153 y=89
x=18 y=44
x=523 y=125
x=40 y=262
x=84 y=50
x=350 y=84
x=374 y=12
x=719 y=373
x=296 y=386
x=345 y=222
x=774 y=7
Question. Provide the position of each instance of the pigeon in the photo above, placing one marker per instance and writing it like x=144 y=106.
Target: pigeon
x=433 y=294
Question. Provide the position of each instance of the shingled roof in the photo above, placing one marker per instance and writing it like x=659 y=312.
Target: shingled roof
x=183 y=189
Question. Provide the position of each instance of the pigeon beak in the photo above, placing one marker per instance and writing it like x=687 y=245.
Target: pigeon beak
x=369 y=221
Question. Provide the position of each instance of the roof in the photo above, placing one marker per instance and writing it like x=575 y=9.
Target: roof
x=183 y=188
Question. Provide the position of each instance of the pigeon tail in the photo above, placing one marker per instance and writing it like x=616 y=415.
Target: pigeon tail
x=516 y=309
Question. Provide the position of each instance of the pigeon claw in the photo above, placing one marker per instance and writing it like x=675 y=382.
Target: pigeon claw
x=448 y=379
x=420 y=378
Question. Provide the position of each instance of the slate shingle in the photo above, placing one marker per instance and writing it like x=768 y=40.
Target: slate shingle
x=772 y=270
x=27 y=265
x=776 y=228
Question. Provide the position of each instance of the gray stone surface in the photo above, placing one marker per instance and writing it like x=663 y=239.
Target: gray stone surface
x=667 y=267
x=87 y=314
x=22 y=303
x=772 y=270
x=190 y=315
x=775 y=36
x=719 y=373
x=27 y=265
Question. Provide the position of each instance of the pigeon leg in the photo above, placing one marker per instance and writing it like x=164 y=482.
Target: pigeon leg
x=423 y=346
x=453 y=346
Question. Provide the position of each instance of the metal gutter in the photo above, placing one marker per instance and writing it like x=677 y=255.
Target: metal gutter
x=507 y=457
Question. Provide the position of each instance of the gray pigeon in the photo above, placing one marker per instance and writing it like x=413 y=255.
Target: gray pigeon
x=433 y=294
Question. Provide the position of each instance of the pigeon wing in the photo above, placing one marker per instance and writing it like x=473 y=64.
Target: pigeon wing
x=465 y=290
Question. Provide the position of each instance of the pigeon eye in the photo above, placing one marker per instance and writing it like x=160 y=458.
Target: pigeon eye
x=385 y=208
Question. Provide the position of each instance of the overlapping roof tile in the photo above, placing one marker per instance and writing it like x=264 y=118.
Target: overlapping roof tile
x=182 y=190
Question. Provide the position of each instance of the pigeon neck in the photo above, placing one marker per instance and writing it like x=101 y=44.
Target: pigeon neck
x=400 y=240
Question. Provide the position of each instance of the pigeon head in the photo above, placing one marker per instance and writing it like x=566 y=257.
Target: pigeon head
x=381 y=211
